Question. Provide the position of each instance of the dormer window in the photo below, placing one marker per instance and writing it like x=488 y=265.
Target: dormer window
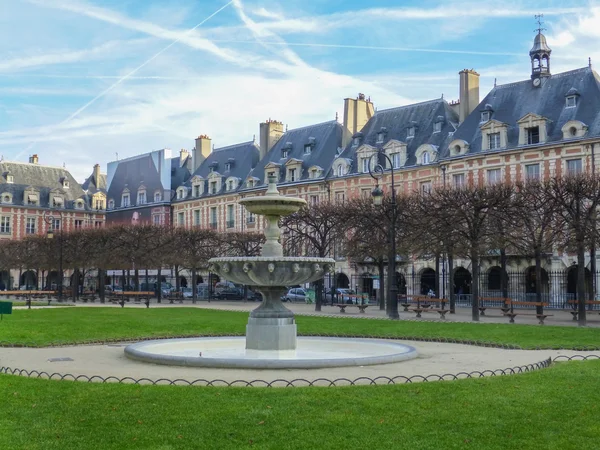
x=157 y=196
x=250 y=183
x=571 y=101
x=340 y=170
x=57 y=202
x=10 y=179
x=230 y=185
x=357 y=139
x=196 y=190
x=125 y=200
x=410 y=132
x=533 y=135
x=65 y=184
x=437 y=127
x=396 y=160
x=284 y=153
x=111 y=204
x=426 y=158
x=211 y=169
x=213 y=187
x=79 y=204
x=307 y=149
x=227 y=167
x=6 y=199
x=141 y=198
x=485 y=116
x=381 y=135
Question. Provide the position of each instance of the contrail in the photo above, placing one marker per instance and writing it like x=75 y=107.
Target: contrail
x=125 y=77
x=369 y=47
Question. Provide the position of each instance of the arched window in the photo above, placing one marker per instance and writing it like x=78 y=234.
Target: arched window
x=340 y=170
x=426 y=158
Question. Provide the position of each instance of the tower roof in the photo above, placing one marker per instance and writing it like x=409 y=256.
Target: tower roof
x=540 y=45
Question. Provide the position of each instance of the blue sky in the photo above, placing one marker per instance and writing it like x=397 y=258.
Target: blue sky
x=82 y=81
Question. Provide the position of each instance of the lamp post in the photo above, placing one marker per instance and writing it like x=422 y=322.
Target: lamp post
x=443 y=167
x=50 y=220
x=377 y=194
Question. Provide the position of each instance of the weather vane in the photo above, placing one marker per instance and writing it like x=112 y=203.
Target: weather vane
x=539 y=20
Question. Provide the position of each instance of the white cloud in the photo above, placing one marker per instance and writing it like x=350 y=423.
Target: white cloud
x=267 y=14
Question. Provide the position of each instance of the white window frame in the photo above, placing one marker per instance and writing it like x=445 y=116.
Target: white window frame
x=527 y=173
x=30 y=225
x=5 y=224
x=340 y=170
x=496 y=140
x=571 y=101
x=425 y=187
x=111 y=204
x=157 y=197
x=425 y=158
x=485 y=116
x=197 y=217
x=181 y=219
x=307 y=149
x=380 y=137
x=125 y=200
x=579 y=168
x=141 y=198
x=365 y=165
x=437 y=127
x=459 y=180
x=497 y=176
x=410 y=132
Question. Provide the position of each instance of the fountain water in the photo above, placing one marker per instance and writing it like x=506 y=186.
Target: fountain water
x=271 y=340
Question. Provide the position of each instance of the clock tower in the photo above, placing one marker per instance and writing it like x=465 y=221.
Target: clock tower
x=540 y=56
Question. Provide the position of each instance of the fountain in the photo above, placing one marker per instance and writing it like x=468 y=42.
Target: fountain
x=271 y=334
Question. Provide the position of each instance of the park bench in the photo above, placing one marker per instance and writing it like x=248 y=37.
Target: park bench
x=492 y=302
x=343 y=306
x=575 y=312
x=175 y=296
x=541 y=316
x=422 y=303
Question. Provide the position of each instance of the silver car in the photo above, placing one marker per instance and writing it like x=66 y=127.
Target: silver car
x=295 y=295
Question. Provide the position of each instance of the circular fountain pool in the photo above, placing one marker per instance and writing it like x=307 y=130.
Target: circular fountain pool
x=230 y=352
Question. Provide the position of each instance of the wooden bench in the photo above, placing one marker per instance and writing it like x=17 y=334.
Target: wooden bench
x=424 y=304
x=343 y=306
x=540 y=316
x=488 y=302
x=575 y=312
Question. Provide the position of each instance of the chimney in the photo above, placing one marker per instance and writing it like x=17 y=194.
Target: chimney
x=270 y=132
x=201 y=151
x=183 y=155
x=469 y=93
x=33 y=159
x=97 y=175
x=357 y=113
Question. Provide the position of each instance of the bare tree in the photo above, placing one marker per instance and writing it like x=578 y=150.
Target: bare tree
x=315 y=229
x=577 y=198
x=468 y=212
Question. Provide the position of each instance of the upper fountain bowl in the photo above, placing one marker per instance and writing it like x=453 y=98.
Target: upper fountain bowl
x=272 y=205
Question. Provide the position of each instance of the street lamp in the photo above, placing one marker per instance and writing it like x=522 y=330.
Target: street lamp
x=377 y=194
x=443 y=167
x=50 y=220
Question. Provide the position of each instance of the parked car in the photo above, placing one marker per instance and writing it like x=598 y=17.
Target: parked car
x=110 y=289
x=201 y=293
x=165 y=288
x=229 y=294
x=295 y=295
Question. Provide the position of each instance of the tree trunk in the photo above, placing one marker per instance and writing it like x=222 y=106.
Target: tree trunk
x=437 y=276
x=475 y=286
x=592 y=293
x=177 y=280
x=382 y=279
x=101 y=283
x=538 y=280
x=503 y=274
x=136 y=280
x=318 y=294
x=451 y=283
x=75 y=285
x=194 y=285
x=158 y=285
x=582 y=317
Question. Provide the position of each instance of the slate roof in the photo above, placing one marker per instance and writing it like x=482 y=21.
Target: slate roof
x=511 y=102
x=132 y=173
x=44 y=179
x=242 y=157
x=91 y=186
x=396 y=122
x=326 y=138
x=180 y=172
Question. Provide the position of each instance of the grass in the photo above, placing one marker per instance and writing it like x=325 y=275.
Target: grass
x=78 y=325
x=556 y=408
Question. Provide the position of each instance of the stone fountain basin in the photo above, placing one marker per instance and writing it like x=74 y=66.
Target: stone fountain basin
x=272 y=206
x=271 y=271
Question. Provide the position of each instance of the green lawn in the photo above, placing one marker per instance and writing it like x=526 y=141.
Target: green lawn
x=71 y=325
x=556 y=408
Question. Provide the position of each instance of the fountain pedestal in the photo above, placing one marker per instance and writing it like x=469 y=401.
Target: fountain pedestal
x=271 y=326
